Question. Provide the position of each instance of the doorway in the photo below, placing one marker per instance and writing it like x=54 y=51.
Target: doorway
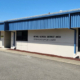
x=13 y=38
x=7 y=39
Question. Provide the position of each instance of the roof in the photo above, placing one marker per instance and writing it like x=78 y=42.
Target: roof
x=44 y=15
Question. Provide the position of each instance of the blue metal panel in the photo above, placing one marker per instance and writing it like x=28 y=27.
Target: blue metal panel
x=2 y=27
x=75 y=20
x=44 y=23
x=49 y=23
x=29 y=25
x=38 y=24
x=59 y=22
x=35 y=25
x=52 y=23
x=64 y=22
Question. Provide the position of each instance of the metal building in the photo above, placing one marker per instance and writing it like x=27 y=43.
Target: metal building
x=56 y=33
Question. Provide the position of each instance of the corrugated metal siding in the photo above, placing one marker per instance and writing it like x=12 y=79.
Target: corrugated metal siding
x=1 y=27
x=44 y=23
x=75 y=20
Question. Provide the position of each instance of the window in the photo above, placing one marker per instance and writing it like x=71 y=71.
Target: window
x=22 y=36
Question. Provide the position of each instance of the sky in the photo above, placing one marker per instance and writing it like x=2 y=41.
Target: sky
x=12 y=9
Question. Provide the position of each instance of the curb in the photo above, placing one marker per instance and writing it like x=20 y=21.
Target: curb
x=55 y=58
x=51 y=55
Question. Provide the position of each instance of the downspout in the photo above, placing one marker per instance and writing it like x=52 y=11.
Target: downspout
x=74 y=33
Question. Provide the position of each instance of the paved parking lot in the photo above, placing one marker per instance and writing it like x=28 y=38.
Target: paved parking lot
x=23 y=67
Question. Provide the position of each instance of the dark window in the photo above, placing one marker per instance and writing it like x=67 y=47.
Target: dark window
x=22 y=36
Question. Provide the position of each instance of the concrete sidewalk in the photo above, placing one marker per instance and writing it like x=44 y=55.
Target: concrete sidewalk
x=43 y=56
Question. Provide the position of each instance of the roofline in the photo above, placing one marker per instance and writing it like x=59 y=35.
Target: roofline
x=2 y=22
x=43 y=16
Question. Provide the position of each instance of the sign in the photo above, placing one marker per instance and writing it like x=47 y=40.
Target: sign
x=46 y=38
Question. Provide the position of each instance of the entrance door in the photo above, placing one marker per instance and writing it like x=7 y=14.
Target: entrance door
x=7 y=39
x=13 y=38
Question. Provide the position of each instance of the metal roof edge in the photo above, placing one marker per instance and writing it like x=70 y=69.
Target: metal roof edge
x=43 y=16
x=2 y=22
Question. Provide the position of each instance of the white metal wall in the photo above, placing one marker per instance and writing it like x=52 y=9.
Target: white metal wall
x=63 y=46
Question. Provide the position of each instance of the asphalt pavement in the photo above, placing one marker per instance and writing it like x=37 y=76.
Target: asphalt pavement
x=24 y=67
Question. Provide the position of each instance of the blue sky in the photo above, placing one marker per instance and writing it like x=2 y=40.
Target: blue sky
x=11 y=9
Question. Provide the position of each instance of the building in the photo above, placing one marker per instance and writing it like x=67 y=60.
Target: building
x=56 y=33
